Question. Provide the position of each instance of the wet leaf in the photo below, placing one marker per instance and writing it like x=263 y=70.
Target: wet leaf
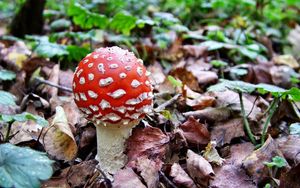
x=195 y=132
x=58 y=139
x=199 y=168
x=23 y=167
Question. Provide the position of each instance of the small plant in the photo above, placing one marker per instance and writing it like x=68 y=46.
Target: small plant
x=277 y=163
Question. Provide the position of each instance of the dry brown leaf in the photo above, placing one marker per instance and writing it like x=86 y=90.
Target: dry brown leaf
x=186 y=77
x=58 y=138
x=254 y=163
x=211 y=154
x=149 y=141
x=127 y=178
x=66 y=79
x=195 y=132
x=239 y=152
x=290 y=147
x=199 y=168
x=210 y=114
x=54 y=78
x=223 y=132
x=200 y=102
x=157 y=75
x=194 y=50
x=149 y=171
x=286 y=59
x=180 y=177
x=291 y=178
x=24 y=131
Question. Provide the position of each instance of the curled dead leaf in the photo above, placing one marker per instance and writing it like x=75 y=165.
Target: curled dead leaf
x=180 y=177
x=199 y=168
x=58 y=139
x=211 y=154
x=195 y=132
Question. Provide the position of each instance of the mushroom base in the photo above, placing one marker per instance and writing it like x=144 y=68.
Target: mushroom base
x=110 y=148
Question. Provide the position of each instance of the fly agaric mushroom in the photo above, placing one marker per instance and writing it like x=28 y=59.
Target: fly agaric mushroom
x=111 y=87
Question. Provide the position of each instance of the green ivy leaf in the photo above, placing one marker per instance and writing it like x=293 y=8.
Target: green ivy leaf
x=123 y=22
x=295 y=128
x=86 y=19
x=218 y=63
x=23 y=167
x=76 y=53
x=7 y=98
x=277 y=162
x=25 y=116
x=238 y=86
x=7 y=75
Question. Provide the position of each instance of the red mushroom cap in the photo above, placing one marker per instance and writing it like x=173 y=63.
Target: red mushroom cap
x=111 y=87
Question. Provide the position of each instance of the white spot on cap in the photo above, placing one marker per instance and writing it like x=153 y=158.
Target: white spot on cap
x=135 y=115
x=101 y=68
x=106 y=81
x=128 y=67
x=90 y=65
x=109 y=58
x=94 y=108
x=79 y=72
x=135 y=83
x=143 y=96
x=113 y=66
x=147 y=83
x=125 y=121
x=89 y=55
x=82 y=80
x=104 y=104
x=150 y=95
x=82 y=96
x=85 y=61
x=91 y=76
x=121 y=109
x=98 y=115
x=148 y=73
x=95 y=56
x=85 y=110
x=76 y=97
x=133 y=101
x=117 y=94
x=130 y=108
x=111 y=117
x=140 y=61
x=139 y=70
x=92 y=94
x=122 y=75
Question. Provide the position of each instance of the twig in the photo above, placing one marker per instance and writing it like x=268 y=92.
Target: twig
x=41 y=81
x=166 y=179
x=6 y=139
x=246 y=123
x=167 y=103
x=271 y=111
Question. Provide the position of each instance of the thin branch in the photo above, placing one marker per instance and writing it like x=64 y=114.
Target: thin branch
x=41 y=81
x=167 y=103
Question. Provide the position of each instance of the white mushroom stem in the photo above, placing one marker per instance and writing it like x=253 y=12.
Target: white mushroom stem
x=110 y=148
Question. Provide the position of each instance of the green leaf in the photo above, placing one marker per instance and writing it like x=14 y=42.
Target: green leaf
x=7 y=75
x=174 y=81
x=277 y=162
x=295 y=128
x=123 y=22
x=25 y=116
x=76 y=53
x=238 y=86
x=48 y=49
x=60 y=24
x=218 y=63
x=7 y=98
x=167 y=114
x=86 y=19
x=23 y=167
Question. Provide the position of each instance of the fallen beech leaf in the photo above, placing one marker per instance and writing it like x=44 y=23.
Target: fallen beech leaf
x=127 y=178
x=149 y=171
x=58 y=139
x=254 y=163
x=194 y=50
x=195 y=132
x=54 y=78
x=291 y=178
x=211 y=154
x=199 y=168
x=287 y=59
x=149 y=141
x=223 y=132
x=186 y=77
x=180 y=177
x=157 y=75
x=210 y=114
x=200 y=102
x=24 y=131
x=231 y=175
x=290 y=147
x=65 y=79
